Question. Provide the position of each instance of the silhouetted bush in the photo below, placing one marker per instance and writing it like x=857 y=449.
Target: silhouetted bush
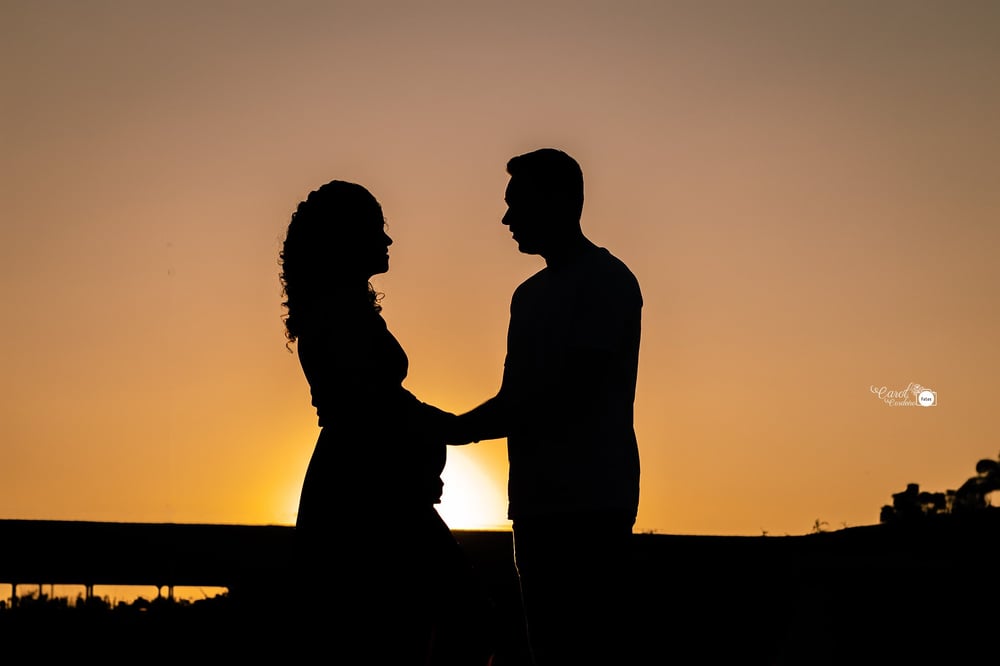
x=972 y=496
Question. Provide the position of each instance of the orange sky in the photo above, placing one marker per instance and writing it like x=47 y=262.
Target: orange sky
x=807 y=193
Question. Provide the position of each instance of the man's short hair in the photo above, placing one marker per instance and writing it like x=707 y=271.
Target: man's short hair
x=556 y=174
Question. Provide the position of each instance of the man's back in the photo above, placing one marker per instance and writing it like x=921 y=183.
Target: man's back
x=573 y=345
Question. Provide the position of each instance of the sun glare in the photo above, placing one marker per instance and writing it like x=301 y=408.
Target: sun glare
x=472 y=500
x=290 y=505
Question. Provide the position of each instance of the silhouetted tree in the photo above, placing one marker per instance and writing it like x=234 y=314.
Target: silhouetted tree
x=912 y=504
x=972 y=495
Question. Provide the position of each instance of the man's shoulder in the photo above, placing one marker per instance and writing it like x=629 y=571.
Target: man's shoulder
x=613 y=273
x=602 y=258
x=596 y=271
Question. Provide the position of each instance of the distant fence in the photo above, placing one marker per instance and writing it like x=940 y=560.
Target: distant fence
x=248 y=557
x=161 y=554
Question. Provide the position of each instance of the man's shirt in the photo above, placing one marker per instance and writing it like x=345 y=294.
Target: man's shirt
x=570 y=376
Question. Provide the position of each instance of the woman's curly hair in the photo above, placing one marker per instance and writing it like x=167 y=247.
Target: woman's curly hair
x=324 y=221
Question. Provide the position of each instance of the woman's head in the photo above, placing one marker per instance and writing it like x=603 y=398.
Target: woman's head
x=335 y=242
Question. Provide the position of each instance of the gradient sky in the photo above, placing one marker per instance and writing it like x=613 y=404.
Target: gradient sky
x=807 y=192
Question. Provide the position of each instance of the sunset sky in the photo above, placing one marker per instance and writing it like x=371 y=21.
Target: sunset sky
x=807 y=191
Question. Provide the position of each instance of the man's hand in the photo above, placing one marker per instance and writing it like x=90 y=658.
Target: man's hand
x=487 y=421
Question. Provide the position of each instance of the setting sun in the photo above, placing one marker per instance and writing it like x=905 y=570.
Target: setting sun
x=471 y=498
x=806 y=196
x=274 y=287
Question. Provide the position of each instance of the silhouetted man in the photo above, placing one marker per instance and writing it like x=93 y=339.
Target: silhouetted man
x=566 y=407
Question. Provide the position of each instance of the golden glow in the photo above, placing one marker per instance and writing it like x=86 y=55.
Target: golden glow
x=809 y=207
x=290 y=504
x=471 y=498
x=113 y=594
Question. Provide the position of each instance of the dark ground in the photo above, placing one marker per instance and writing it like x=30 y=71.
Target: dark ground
x=902 y=594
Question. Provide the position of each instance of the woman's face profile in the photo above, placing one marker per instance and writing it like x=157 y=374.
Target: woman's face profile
x=380 y=259
x=368 y=247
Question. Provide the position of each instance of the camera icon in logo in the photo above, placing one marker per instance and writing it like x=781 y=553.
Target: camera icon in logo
x=927 y=398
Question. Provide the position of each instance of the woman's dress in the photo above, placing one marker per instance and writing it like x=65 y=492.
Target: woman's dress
x=377 y=450
x=373 y=542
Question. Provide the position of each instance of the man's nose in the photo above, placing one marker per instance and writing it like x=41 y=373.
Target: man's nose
x=505 y=220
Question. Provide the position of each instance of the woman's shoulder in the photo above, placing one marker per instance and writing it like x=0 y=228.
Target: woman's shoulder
x=346 y=340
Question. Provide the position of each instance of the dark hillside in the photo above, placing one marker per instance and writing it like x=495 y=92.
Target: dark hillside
x=914 y=593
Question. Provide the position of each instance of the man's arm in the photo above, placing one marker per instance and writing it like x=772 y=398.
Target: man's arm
x=575 y=389
x=490 y=420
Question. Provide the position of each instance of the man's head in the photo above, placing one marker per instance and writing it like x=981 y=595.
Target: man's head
x=544 y=200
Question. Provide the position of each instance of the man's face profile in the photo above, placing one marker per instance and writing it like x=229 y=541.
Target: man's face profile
x=526 y=217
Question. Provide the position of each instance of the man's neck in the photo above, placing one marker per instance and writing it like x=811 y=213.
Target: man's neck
x=568 y=251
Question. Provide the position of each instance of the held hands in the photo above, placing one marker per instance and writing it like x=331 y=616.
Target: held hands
x=454 y=430
x=446 y=427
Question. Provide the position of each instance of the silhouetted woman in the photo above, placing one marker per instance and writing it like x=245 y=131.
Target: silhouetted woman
x=372 y=541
